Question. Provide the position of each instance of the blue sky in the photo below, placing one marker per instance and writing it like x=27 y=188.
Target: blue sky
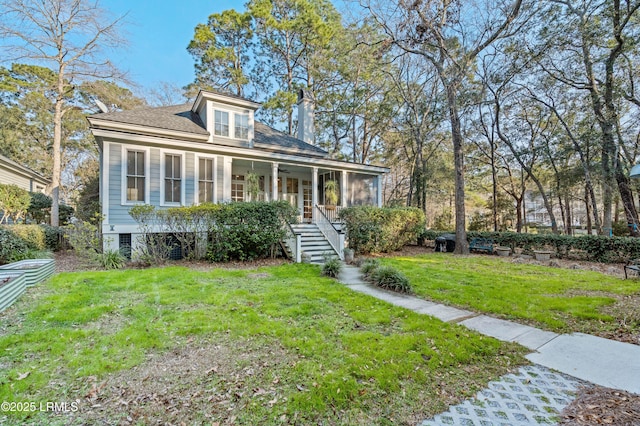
x=159 y=32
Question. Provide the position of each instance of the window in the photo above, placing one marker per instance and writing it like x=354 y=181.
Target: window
x=172 y=178
x=221 y=123
x=241 y=126
x=237 y=188
x=135 y=176
x=205 y=180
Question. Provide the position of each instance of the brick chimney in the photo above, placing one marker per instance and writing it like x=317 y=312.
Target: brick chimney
x=305 y=117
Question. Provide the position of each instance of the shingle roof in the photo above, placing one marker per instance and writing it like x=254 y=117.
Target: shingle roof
x=181 y=118
x=176 y=117
x=272 y=137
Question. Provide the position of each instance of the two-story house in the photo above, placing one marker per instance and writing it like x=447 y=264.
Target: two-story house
x=202 y=152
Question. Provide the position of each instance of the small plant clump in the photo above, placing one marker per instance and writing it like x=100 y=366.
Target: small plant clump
x=390 y=278
x=385 y=277
x=369 y=266
x=111 y=259
x=332 y=267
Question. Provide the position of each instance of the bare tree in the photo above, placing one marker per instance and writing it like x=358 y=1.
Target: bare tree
x=450 y=34
x=72 y=37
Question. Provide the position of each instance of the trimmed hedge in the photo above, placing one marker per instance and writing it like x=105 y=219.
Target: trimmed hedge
x=239 y=231
x=247 y=231
x=594 y=248
x=381 y=229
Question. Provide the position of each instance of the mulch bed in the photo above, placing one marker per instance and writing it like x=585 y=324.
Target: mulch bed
x=598 y=405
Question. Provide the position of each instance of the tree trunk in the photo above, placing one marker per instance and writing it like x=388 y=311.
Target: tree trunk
x=519 y=210
x=57 y=149
x=462 y=245
x=626 y=196
x=587 y=205
x=567 y=205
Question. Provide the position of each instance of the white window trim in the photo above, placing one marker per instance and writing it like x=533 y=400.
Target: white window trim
x=183 y=177
x=244 y=187
x=229 y=123
x=196 y=180
x=232 y=124
x=147 y=174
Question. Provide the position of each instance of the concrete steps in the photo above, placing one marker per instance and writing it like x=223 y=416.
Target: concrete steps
x=314 y=243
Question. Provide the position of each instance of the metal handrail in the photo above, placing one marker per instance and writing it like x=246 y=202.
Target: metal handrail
x=333 y=235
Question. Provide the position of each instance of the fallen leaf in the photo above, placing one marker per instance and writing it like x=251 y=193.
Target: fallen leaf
x=23 y=375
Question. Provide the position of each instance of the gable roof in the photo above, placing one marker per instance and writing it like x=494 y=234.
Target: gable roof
x=181 y=118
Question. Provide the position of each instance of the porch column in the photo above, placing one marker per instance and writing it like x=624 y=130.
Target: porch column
x=274 y=181
x=343 y=189
x=226 y=178
x=314 y=193
x=379 y=189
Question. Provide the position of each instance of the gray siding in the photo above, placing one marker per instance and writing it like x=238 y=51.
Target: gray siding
x=155 y=177
x=8 y=177
x=189 y=175
x=118 y=214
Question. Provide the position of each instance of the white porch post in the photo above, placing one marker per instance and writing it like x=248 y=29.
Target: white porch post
x=314 y=193
x=343 y=189
x=379 y=188
x=226 y=178
x=274 y=181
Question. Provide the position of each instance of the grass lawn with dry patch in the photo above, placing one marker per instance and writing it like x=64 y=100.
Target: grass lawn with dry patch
x=278 y=345
x=557 y=299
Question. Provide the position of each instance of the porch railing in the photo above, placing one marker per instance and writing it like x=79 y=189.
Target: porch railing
x=294 y=242
x=331 y=212
x=335 y=237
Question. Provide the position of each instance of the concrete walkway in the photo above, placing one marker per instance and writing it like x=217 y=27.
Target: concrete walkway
x=593 y=359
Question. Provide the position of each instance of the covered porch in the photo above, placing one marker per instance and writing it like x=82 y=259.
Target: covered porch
x=313 y=190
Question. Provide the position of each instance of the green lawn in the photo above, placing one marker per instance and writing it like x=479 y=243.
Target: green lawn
x=279 y=345
x=553 y=298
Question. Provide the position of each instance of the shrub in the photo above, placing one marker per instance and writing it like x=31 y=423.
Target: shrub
x=242 y=231
x=33 y=235
x=111 y=259
x=594 y=248
x=391 y=279
x=52 y=237
x=375 y=229
x=30 y=254
x=40 y=207
x=332 y=267
x=83 y=237
x=14 y=202
x=247 y=231
x=11 y=246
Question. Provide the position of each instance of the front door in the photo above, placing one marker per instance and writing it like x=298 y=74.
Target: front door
x=307 y=199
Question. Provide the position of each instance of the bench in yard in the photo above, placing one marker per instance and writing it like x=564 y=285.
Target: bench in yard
x=485 y=244
x=632 y=265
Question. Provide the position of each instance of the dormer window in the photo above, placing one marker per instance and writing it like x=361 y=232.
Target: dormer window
x=241 y=126
x=221 y=123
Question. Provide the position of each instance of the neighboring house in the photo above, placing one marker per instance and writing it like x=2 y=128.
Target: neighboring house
x=13 y=173
x=188 y=154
